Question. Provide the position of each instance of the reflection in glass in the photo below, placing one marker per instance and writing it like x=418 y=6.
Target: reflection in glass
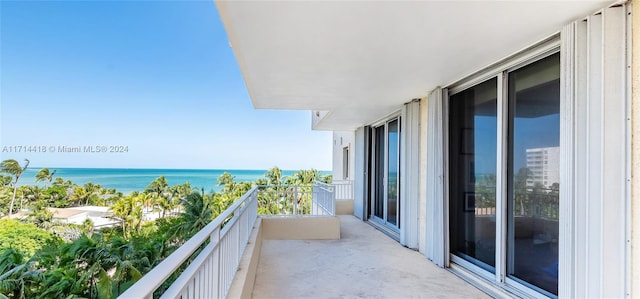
x=533 y=181
x=472 y=178
x=392 y=177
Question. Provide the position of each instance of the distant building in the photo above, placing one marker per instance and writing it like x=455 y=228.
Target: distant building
x=68 y=215
x=544 y=164
x=99 y=216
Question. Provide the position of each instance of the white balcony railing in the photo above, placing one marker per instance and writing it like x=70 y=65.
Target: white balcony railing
x=293 y=200
x=212 y=271
x=343 y=189
x=324 y=199
x=210 y=274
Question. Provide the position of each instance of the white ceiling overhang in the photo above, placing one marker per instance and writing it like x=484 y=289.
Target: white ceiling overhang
x=358 y=61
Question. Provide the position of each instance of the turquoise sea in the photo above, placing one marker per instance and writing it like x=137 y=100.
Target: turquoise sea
x=127 y=180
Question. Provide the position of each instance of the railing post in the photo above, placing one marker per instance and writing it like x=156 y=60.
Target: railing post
x=314 y=199
x=333 y=200
x=215 y=237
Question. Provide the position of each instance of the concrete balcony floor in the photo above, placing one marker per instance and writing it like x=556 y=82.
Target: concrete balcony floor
x=364 y=263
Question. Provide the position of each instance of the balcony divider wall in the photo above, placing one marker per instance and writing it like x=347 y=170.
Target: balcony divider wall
x=360 y=176
x=410 y=174
x=435 y=237
x=596 y=94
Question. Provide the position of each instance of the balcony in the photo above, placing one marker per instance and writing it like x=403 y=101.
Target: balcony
x=363 y=263
x=306 y=252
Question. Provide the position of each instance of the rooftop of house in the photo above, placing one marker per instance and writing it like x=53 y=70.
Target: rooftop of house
x=61 y=213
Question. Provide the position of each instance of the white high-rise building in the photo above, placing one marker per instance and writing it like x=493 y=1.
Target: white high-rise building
x=544 y=164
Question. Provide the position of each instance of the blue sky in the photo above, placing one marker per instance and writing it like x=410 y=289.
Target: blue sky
x=156 y=76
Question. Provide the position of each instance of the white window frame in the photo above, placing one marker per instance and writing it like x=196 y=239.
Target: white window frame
x=383 y=122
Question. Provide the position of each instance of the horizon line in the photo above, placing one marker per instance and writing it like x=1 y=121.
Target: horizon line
x=154 y=168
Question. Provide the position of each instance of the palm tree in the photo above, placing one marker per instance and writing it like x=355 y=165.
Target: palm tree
x=13 y=168
x=160 y=193
x=5 y=198
x=197 y=214
x=92 y=190
x=486 y=191
x=62 y=282
x=31 y=193
x=121 y=210
x=274 y=175
x=226 y=180
x=91 y=254
x=5 y=180
x=304 y=177
x=42 y=217
x=18 y=278
x=80 y=270
x=10 y=262
x=88 y=227
x=129 y=210
x=45 y=175
x=170 y=199
x=79 y=195
x=61 y=182
x=300 y=189
x=86 y=194
x=123 y=256
x=520 y=188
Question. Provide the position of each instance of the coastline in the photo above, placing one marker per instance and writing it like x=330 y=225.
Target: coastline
x=127 y=180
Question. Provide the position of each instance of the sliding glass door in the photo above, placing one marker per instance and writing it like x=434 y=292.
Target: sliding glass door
x=518 y=111
x=393 y=167
x=534 y=174
x=386 y=181
x=472 y=164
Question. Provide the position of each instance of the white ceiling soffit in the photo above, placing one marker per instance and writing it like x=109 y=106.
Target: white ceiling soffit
x=361 y=60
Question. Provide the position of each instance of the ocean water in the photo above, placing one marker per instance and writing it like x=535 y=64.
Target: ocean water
x=128 y=180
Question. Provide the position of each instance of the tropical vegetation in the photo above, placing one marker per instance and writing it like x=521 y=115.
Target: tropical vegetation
x=44 y=258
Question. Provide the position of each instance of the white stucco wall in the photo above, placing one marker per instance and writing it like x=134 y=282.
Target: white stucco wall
x=342 y=139
x=422 y=193
x=635 y=153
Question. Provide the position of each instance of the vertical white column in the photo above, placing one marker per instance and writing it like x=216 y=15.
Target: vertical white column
x=635 y=154
x=614 y=152
x=409 y=173
x=501 y=179
x=359 y=174
x=567 y=98
x=435 y=238
x=424 y=185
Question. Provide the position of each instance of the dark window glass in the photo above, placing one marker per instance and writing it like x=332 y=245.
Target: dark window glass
x=392 y=174
x=533 y=180
x=472 y=177
x=379 y=178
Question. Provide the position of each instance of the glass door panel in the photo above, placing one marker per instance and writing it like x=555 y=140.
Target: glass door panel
x=386 y=180
x=533 y=180
x=472 y=175
x=393 y=168
x=379 y=172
